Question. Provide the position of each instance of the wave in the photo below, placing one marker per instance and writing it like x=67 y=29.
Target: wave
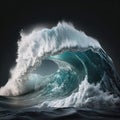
x=62 y=114
x=61 y=67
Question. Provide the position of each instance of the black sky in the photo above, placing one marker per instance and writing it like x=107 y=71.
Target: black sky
x=98 y=18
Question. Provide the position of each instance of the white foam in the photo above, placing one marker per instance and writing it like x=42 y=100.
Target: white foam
x=87 y=96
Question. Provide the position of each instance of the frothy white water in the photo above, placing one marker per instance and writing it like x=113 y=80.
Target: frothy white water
x=87 y=96
x=34 y=47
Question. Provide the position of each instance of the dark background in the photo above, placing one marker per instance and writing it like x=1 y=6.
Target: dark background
x=98 y=18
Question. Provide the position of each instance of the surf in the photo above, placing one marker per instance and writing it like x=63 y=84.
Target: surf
x=61 y=67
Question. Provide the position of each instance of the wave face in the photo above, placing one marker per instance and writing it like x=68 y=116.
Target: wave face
x=61 y=67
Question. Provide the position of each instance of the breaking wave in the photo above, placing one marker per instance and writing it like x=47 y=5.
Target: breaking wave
x=61 y=67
